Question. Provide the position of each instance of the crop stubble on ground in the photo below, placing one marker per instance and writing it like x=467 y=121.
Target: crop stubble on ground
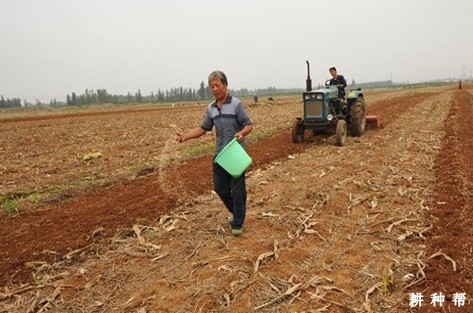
x=452 y=210
x=325 y=225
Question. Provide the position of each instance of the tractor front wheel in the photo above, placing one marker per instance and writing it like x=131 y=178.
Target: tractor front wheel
x=297 y=132
x=341 y=132
x=357 y=119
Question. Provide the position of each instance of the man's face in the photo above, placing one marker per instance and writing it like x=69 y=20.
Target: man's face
x=333 y=73
x=219 y=90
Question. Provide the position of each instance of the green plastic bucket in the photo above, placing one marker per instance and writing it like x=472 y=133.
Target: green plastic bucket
x=233 y=158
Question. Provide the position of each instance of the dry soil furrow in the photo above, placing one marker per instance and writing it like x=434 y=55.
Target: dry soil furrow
x=451 y=210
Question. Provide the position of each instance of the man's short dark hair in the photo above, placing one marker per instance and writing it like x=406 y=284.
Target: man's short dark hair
x=218 y=75
x=332 y=68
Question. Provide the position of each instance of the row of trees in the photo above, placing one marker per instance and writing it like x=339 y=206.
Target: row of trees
x=16 y=103
x=177 y=94
x=10 y=103
x=101 y=96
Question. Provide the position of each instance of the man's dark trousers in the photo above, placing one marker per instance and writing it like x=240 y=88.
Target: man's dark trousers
x=232 y=191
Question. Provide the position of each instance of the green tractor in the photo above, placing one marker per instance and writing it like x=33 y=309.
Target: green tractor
x=326 y=111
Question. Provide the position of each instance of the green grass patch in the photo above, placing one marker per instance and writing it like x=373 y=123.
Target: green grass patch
x=35 y=197
x=260 y=133
x=10 y=204
x=53 y=188
x=198 y=150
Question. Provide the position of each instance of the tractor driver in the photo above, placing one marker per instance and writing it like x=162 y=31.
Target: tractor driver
x=339 y=81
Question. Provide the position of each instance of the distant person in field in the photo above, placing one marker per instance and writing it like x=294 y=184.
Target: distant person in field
x=255 y=99
x=338 y=80
x=228 y=115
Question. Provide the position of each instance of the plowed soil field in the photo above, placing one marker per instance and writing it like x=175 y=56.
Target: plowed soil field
x=104 y=212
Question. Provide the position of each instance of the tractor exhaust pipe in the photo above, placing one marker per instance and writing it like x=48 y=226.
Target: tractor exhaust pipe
x=308 y=81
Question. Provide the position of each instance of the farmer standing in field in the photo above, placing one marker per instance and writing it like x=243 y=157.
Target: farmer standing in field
x=230 y=119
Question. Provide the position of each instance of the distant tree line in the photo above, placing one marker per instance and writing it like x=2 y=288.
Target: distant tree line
x=101 y=96
x=177 y=94
x=10 y=103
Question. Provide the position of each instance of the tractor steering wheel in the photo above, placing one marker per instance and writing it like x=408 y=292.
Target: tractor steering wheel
x=327 y=83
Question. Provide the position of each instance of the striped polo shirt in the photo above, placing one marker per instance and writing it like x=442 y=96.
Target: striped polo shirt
x=228 y=121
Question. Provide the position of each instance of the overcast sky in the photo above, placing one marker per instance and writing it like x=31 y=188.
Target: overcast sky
x=49 y=48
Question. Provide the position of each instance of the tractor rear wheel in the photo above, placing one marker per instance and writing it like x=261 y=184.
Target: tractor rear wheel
x=297 y=132
x=341 y=132
x=357 y=119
